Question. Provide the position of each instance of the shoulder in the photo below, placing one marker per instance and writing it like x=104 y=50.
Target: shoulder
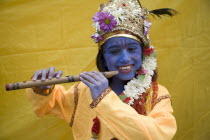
x=162 y=94
x=162 y=90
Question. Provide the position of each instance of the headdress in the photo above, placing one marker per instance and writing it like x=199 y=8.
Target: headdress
x=127 y=18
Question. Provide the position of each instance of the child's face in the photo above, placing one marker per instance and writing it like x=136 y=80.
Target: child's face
x=123 y=55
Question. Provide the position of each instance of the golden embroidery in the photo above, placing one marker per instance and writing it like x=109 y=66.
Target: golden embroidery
x=96 y=101
x=75 y=103
x=160 y=98
x=154 y=94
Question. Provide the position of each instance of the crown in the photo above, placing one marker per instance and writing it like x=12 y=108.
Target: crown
x=121 y=18
x=125 y=18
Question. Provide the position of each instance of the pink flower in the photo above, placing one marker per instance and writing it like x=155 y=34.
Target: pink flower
x=97 y=37
x=147 y=25
x=142 y=71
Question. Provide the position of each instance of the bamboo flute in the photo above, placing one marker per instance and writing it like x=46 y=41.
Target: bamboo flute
x=37 y=83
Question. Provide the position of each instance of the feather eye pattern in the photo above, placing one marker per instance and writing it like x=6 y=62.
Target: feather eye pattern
x=163 y=12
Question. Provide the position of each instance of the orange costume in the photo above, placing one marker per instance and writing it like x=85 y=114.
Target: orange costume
x=118 y=119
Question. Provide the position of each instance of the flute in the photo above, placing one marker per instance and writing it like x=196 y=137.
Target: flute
x=37 y=83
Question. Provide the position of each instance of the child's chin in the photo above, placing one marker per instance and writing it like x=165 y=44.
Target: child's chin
x=126 y=77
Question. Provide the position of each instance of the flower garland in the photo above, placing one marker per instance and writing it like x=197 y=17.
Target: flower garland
x=142 y=82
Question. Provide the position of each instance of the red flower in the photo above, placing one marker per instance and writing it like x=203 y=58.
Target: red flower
x=96 y=126
x=127 y=99
x=147 y=51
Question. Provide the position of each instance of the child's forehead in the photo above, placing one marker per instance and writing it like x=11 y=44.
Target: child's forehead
x=120 y=40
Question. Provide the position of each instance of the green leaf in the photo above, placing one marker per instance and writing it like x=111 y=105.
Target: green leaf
x=122 y=97
x=153 y=54
x=141 y=77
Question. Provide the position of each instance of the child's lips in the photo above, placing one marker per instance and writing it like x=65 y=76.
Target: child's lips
x=125 y=69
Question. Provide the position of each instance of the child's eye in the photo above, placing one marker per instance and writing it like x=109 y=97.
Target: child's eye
x=131 y=49
x=115 y=52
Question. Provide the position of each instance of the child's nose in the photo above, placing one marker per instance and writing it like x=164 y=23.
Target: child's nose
x=125 y=58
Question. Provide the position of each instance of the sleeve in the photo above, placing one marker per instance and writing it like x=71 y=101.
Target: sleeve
x=126 y=123
x=59 y=103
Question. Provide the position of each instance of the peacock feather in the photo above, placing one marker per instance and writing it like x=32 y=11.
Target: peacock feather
x=163 y=12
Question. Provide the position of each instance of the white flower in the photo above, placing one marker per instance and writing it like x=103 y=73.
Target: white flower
x=136 y=12
x=125 y=4
x=96 y=26
x=119 y=15
x=106 y=9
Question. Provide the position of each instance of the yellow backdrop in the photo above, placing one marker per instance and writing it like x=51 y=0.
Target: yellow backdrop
x=36 y=34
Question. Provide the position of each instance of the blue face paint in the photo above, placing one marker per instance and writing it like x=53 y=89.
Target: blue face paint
x=124 y=55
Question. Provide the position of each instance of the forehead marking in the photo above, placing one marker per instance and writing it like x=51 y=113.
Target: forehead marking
x=123 y=43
